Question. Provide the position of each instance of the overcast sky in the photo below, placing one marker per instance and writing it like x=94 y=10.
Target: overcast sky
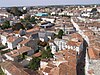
x=6 y=3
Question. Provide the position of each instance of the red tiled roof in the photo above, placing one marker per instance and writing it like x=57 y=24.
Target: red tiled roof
x=17 y=52
x=66 y=69
x=24 y=49
x=33 y=29
x=47 y=69
x=54 y=71
x=13 y=53
x=91 y=53
x=71 y=43
x=63 y=69
x=13 y=68
x=24 y=41
x=37 y=54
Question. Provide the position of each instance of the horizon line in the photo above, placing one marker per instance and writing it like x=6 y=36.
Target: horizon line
x=50 y=5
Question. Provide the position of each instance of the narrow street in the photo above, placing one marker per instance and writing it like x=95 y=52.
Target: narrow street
x=81 y=62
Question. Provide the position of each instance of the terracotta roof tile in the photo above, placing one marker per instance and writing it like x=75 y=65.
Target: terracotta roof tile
x=24 y=49
x=24 y=41
x=13 y=68
x=63 y=69
x=71 y=43
x=47 y=69
x=54 y=71
x=33 y=29
x=91 y=53
x=13 y=53
x=37 y=54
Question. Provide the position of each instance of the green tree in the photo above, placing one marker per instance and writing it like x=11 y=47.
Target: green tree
x=22 y=20
x=8 y=10
x=33 y=20
x=34 y=63
x=30 y=19
x=48 y=48
x=28 y=25
x=44 y=54
x=6 y=25
x=18 y=26
x=24 y=55
x=16 y=11
x=94 y=10
x=27 y=18
x=47 y=53
x=60 y=33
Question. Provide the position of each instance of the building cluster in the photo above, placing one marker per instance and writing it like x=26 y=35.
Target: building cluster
x=72 y=37
x=91 y=32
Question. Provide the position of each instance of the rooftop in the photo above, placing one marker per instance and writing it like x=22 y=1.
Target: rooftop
x=13 y=68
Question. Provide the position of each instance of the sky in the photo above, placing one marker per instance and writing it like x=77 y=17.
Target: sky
x=9 y=3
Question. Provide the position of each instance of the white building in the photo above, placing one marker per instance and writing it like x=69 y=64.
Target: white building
x=77 y=46
x=13 y=55
x=4 y=37
x=49 y=19
x=53 y=47
x=60 y=43
x=13 y=41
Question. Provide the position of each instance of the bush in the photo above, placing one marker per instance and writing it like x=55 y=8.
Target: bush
x=15 y=11
x=47 y=53
x=60 y=34
x=18 y=26
x=34 y=63
x=6 y=25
